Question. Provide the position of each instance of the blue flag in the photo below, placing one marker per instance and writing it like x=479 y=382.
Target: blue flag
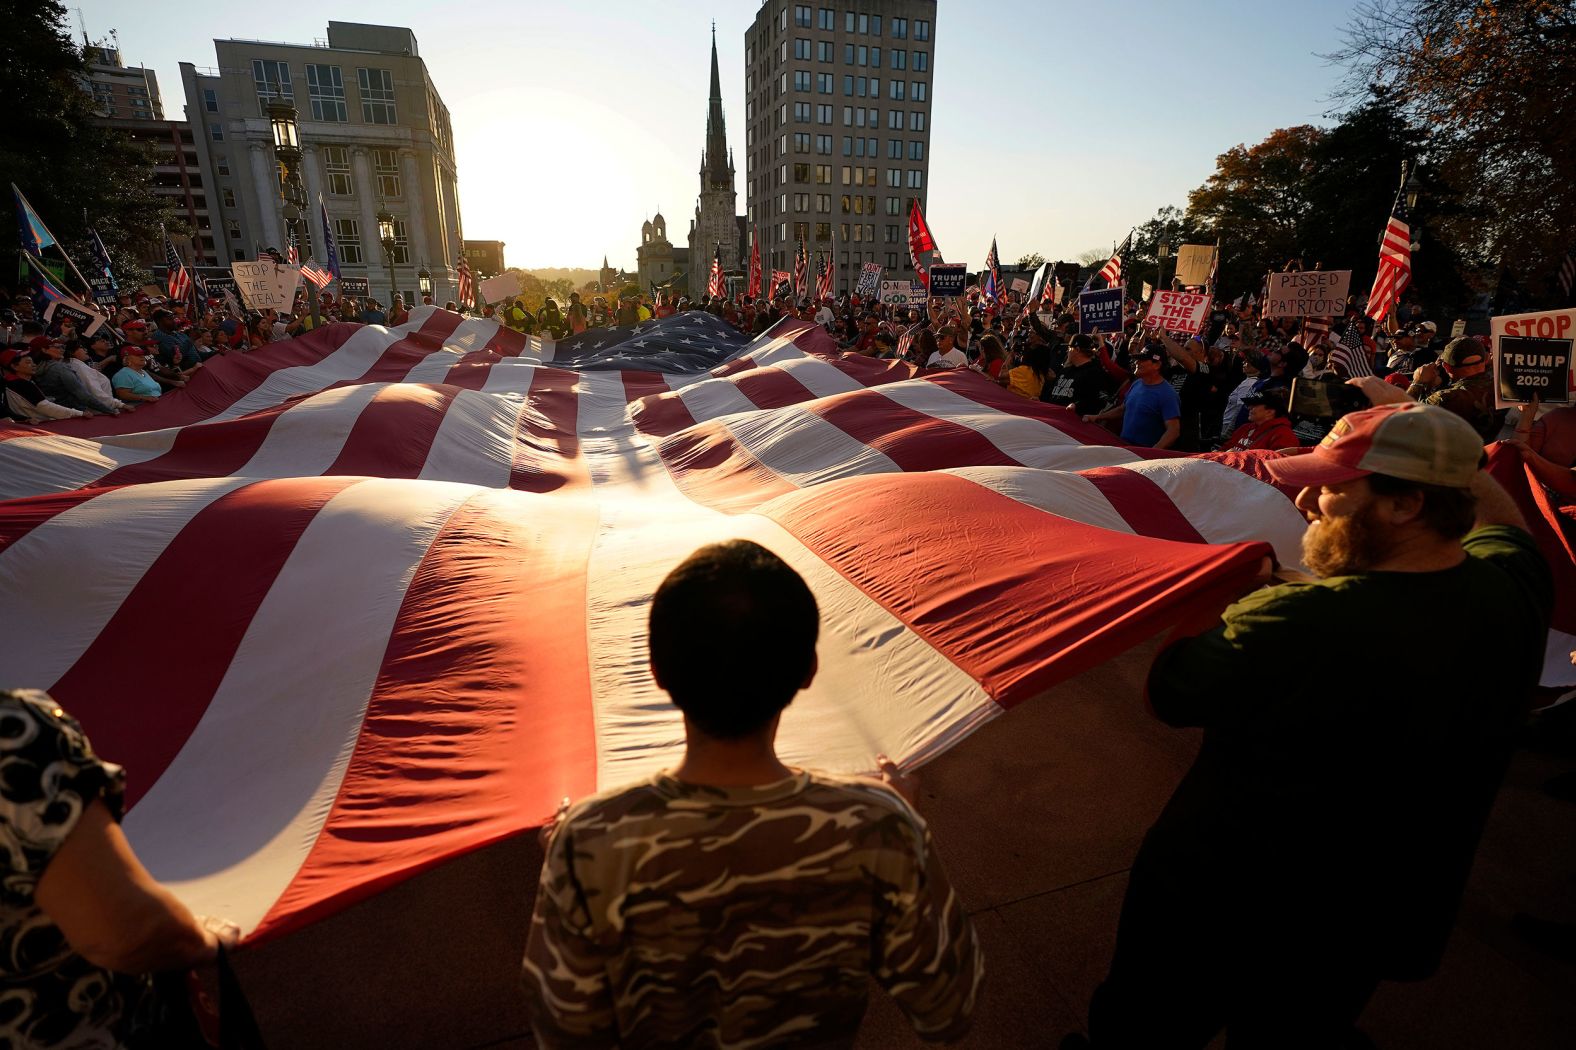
x=35 y=235
x=45 y=290
x=330 y=249
x=103 y=280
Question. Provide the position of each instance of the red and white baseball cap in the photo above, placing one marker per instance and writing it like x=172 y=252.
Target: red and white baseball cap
x=1413 y=442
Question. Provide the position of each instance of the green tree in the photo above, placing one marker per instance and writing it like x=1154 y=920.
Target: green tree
x=74 y=172
x=1032 y=261
x=1497 y=83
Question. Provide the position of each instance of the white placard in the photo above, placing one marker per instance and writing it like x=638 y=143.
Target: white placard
x=267 y=285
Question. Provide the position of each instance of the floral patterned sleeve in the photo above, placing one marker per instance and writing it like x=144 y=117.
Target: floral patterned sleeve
x=49 y=776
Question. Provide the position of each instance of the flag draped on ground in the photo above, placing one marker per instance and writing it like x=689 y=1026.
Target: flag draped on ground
x=422 y=558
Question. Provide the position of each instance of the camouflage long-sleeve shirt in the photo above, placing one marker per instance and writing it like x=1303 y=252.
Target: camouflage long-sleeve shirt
x=675 y=915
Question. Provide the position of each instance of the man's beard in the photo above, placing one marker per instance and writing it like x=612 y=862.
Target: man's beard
x=1346 y=545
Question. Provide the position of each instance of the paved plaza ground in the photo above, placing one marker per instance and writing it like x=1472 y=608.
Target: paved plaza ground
x=1038 y=816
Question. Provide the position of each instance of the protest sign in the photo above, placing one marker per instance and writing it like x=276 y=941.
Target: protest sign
x=359 y=287
x=901 y=293
x=217 y=286
x=1532 y=355
x=1101 y=311
x=1310 y=293
x=948 y=280
x=1178 y=312
x=869 y=281
x=1018 y=285
x=497 y=289
x=88 y=321
x=1194 y=262
x=780 y=278
x=104 y=293
x=1149 y=290
x=266 y=285
x=152 y=291
x=1042 y=280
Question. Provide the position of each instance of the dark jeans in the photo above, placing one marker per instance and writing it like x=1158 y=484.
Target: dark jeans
x=1193 y=957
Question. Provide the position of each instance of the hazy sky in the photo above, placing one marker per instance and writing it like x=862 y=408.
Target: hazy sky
x=1056 y=126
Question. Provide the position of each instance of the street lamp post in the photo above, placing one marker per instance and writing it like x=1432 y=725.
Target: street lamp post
x=424 y=283
x=386 y=236
x=287 y=151
x=1162 y=253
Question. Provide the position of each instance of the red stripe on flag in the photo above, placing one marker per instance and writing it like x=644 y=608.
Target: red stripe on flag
x=393 y=435
x=475 y=728
x=546 y=444
x=913 y=440
x=1000 y=619
x=203 y=450
x=716 y=470
x=1142 y=504
x=243 y=538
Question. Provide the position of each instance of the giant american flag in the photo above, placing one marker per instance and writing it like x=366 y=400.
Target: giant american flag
x=410 y=569
x=1395 y=262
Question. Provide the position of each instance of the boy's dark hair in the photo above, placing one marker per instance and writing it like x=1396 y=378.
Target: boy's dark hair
x=732 y=637
x=1448 y=511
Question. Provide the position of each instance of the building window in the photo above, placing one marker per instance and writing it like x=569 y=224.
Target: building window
x=916 y=150
x=823 y=114
x=801 y=16
x=801 y=112
x=892 y=206
x=895 y=119
x=848 y=86
x=347 y=234
x=823 y=174
x=823 y=203
x=801 y=173
x=919 y=91
x=823 y=83
x=899 y=59
x=377 y=96
x=921 y=61
x=326 y=87
x=894 y=149
x=801 y=80
x=900 y=28
x=826 y=18
x=272 y=80
x=210 y=100
x=823 y=145
x=823 y=231
x=801 y=49
x=401 y=247
x=385 y=165
x=216 y=132
x=228 y=196
x=848 y=147
x=875 y=25
x=848 y=21
x=898 y=87
x=894 y=179
x=917 y=121
x=823 y=50
x=875 y=58
x=848 y=54
x=801 y=142
x=921 y=30
x=916 y=179
x=221 y=165
x=336 y=165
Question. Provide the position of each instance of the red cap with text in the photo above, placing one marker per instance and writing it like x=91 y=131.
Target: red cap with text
x=1413 y=442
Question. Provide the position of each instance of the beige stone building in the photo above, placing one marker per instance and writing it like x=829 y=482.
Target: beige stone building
x=374 y=133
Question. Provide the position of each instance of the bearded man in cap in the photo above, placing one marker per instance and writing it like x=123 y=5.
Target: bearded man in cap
x=1322 y=840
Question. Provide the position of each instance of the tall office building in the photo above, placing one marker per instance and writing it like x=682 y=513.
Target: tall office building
x=374 y=133
x=121 y=91
x=838 y=143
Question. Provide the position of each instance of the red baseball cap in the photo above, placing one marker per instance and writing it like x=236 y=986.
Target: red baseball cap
x=1413 y=442
x=8 y=357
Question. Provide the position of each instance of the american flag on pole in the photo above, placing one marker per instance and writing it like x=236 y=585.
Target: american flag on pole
x=422 y=558
x=316 y=274
x=905 y=342
x=801 y=266
x=992 y=288
x=823 y=288
x=754 y=290
x=714 y=284
x=1567 y=274
x=1111 y=272
x=292 y=253
x=1395 y=262
x=176 y=282
x=1349 y=355
x=467 y=291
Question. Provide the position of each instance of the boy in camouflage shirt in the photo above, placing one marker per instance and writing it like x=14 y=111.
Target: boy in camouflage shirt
x=733 y=901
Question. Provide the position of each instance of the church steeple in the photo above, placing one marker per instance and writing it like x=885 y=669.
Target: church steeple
x=716 y=166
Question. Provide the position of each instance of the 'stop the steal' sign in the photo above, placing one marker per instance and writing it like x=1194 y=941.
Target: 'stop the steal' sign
x=1533 y=355
x=265 y=284
x=1311 y=293
x=1178 y=312
x=1101 y=311
x=947 y=280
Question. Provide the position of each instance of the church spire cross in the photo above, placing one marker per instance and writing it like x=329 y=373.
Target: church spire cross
x=716 y=167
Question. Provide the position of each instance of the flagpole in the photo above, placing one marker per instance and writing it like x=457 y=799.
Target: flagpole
x=86 y=284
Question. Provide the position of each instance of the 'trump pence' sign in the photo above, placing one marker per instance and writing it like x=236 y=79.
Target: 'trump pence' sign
x=265 y=284
x=1178 y=312
x=1311 y=293
x=1101 y=311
